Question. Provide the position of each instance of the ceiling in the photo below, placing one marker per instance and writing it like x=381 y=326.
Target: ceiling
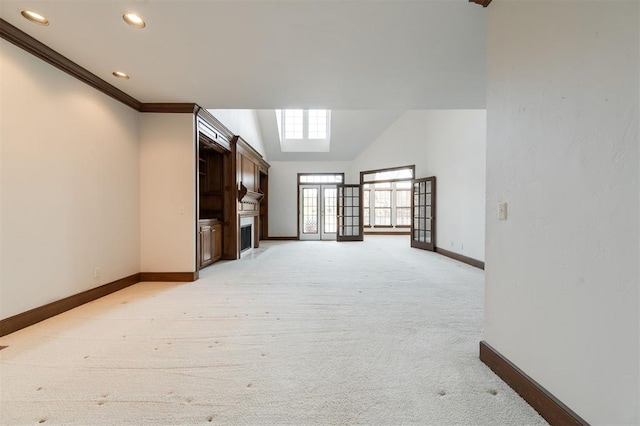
x=374 y=57
x=351 y=132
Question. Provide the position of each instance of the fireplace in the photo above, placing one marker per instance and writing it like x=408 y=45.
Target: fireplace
x=245 y=237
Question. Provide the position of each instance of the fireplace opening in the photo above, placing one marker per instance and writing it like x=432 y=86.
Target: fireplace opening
x=245 y=237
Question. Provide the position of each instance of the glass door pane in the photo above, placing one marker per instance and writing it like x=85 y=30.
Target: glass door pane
x=329 y=212
x=309 y=212
x=423 y=217
x=349 y=212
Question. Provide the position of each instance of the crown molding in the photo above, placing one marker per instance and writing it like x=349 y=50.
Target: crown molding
x=205 y=115
x=189 y=108
x=24 y=41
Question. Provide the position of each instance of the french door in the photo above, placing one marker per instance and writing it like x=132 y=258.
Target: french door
x=350 y=225
x=423 y=208
x=318 y=212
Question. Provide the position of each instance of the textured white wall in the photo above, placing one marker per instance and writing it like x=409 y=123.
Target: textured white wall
x=69 y=176
x=283 y=191
x=448 y=144
x=167 y=193
x=562 y=272
x=245 y=123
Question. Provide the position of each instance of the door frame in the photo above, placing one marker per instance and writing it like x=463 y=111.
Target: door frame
x=322 y=234
x=300 y=175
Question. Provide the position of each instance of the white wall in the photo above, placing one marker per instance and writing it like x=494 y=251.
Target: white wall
x=283 y=191
x=167 y=193
x=245 y=123
x=448 y=144
x=562 y=272
x=69 y=176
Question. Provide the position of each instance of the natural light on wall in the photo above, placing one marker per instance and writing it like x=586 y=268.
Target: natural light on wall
x=304 y=130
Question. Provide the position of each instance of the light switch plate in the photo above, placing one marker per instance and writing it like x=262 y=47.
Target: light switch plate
x=502 y=210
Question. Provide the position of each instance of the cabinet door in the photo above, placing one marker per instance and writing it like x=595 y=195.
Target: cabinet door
x=217 y=241
x=206 y=245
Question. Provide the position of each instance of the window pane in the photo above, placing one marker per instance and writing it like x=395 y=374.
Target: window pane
x=321 y=178
x=310 y=210
x=406 y=184
x=382 y=199
x=403 y=216
x=317 y=123
x=293 y=123
x=383 y=216
x=403 y=198
x=388 y=175
x=330 y=209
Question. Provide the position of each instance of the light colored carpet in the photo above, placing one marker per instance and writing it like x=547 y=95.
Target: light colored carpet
x=297 y=333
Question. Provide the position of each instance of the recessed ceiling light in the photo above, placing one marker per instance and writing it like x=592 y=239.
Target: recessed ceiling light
x=134 y=20
x=121 y=74
x=35 y=17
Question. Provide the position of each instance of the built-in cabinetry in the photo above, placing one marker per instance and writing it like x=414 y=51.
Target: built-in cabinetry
x=250 y=171
x=210 y=236
x=210 y=176
x=232 y=191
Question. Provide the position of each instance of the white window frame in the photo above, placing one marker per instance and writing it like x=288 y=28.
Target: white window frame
x=305 y=125
x=372 y=208
x=305 y=144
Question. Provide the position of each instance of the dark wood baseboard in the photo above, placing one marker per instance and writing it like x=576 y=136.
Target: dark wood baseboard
x=33 y=316
x=483 y=3
x=281 y=239
x=547 y=405
x=181 y=277
x=461 y=258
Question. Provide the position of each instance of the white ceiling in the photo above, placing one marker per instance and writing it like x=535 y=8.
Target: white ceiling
x=265 y=54
x=374 y=57
x=351 y=132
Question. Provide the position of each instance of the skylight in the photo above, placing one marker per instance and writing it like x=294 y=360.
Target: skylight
x=317 y=124
x=304 y=130
x=293 y=123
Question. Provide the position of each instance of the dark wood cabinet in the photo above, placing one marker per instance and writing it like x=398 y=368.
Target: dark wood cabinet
x=217 y=241
x=232 y=184
x=210 y=241
x=206 y=244
x=210 y=183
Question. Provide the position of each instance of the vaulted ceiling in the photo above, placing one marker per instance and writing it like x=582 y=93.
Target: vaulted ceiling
x=381 y=56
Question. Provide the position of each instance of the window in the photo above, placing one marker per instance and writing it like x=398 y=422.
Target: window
x=303 y=124
x=388 y=203
x=387 y=175
x=317 y=124
x=293 y=123
x=320 y=177
x=387 y=197
x=366 y=210
x=403 y=203
x=304 y=130
x=382 y=204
